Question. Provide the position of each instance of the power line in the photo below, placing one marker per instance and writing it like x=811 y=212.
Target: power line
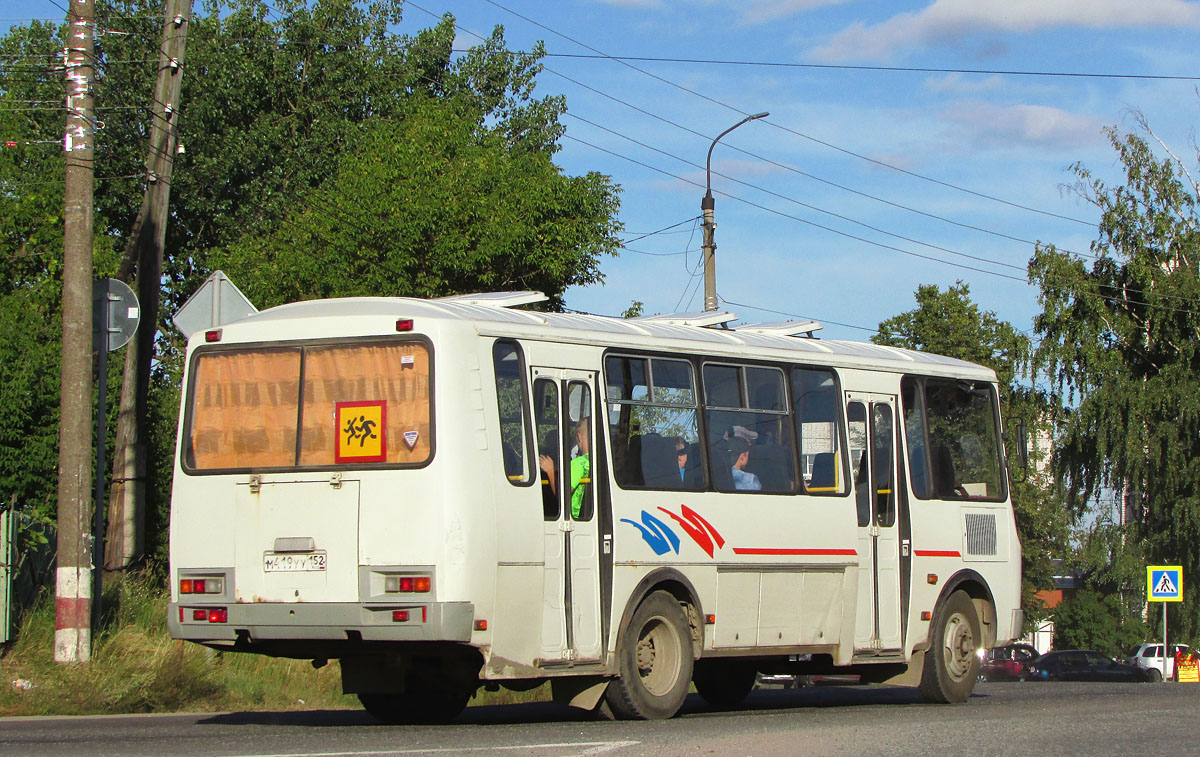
x=803 y=204
x=896 y=69
x=784 y=128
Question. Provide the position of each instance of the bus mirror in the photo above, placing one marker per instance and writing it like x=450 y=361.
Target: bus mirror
x=1022 y=446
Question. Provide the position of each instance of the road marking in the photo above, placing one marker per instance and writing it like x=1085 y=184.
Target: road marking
x=589 y=748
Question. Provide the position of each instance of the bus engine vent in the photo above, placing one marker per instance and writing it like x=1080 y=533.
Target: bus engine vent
x=981 y=533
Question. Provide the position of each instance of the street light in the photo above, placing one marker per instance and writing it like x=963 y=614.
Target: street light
x=710 y=225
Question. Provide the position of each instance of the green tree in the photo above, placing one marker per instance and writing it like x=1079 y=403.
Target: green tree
x=1121 y=341
x=434 y=204
x=1094 y=620
x=277 y=99
x=949 y=323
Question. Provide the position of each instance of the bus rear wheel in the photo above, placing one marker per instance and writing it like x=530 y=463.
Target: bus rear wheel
x=654 y=661
x=416 y=707
x=951 y=662
x=724 y=683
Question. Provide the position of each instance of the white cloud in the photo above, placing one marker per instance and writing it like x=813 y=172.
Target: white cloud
x=1036 y=125
x=947 y=21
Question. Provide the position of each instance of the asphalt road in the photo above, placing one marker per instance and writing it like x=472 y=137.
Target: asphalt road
x=1001 y=718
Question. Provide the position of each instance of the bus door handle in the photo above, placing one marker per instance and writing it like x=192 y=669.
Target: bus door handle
x=566 y=525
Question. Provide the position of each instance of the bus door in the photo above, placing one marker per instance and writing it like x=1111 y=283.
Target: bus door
x=872 y=428
x=563 y=403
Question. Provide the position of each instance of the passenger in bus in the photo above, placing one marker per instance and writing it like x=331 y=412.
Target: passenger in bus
x=580 y=467
x=681 y=455
x=739 y=452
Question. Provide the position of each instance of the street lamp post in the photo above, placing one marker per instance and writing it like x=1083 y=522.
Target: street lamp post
x=709 y=224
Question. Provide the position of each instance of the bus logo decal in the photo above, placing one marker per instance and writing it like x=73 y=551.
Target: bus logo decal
x=656 y=533
x=701 y=531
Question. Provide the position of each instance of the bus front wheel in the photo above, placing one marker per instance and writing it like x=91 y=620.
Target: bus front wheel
x=951 y=662
x=654 y=661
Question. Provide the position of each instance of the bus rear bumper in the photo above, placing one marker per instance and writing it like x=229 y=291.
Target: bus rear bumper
x=437 y=621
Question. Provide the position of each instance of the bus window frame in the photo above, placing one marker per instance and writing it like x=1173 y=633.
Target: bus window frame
x=994 y=397
x=747 y=407
x=532 y=470
x=697 y=407
x=302 y=345
x=841 y=431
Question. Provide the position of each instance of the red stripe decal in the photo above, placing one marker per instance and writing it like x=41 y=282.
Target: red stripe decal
x=937 y=553
x=781 y=551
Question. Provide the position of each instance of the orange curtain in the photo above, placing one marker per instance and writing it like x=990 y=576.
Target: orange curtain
x=244 y=409
x=396 y=374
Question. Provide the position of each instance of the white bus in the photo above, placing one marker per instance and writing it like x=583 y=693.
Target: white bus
x=455 y=493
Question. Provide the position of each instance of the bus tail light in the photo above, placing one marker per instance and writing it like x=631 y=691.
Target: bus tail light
x=212 y=335
x=201 y=585
x=218 y=615
x=399 y=616
x=407 y=584
x=404 y=324
x=481 y=625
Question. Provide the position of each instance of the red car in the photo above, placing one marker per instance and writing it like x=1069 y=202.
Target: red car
x=1007 y=663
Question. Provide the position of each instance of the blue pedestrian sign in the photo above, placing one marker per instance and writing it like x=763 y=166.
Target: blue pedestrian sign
x=1164 y=583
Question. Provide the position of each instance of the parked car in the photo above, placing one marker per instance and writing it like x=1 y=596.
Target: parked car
x=1007 y=663
x=1148 y=657
x=1083 y=665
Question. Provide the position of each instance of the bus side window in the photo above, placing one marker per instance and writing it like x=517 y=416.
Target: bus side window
x=545 y=419
x=817 y=416
x=514 y=413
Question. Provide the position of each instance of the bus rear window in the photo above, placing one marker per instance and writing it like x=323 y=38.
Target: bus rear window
x=311 y=406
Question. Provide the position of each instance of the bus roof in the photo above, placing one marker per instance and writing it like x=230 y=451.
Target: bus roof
x=495 y=314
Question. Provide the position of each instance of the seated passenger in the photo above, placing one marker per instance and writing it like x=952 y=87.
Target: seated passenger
x=739 y=452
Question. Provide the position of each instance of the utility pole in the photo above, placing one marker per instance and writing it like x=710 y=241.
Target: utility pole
x=73 y=592
x=707 y=203
x=126 y=525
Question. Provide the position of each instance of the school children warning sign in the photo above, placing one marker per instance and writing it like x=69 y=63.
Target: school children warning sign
x=361 y=432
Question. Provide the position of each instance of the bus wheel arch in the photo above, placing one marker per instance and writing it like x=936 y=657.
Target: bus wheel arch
x=975 y=587
x=677 y=585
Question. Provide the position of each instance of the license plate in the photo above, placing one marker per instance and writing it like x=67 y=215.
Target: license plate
x=288 y=562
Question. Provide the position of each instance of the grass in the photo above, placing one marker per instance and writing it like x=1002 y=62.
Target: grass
x=137 y=667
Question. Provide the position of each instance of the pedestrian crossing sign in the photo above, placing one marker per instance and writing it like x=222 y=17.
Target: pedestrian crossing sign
x=1164 y=583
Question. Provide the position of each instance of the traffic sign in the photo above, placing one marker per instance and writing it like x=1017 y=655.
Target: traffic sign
x=115 y=314
x=1164 y=583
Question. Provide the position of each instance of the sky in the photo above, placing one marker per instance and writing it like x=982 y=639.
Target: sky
x=908 y=143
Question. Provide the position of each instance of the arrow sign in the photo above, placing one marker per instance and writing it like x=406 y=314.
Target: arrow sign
x=1164 y=583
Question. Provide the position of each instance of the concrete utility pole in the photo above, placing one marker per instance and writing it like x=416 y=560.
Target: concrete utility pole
x=710 y=225
x=125 y=541
x=73 y=594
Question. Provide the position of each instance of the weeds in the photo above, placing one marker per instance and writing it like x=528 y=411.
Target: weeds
x=137 y=667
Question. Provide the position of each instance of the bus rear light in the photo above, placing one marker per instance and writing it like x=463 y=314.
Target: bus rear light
x=931 y=578
x=926 y=615
x=218 y=615
x=404 y=324
x=481 y=625
x=200 y=615
x=201 y=585
x=212 y=335
x=406 y=584
x=399 y=616
x=710 y=619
